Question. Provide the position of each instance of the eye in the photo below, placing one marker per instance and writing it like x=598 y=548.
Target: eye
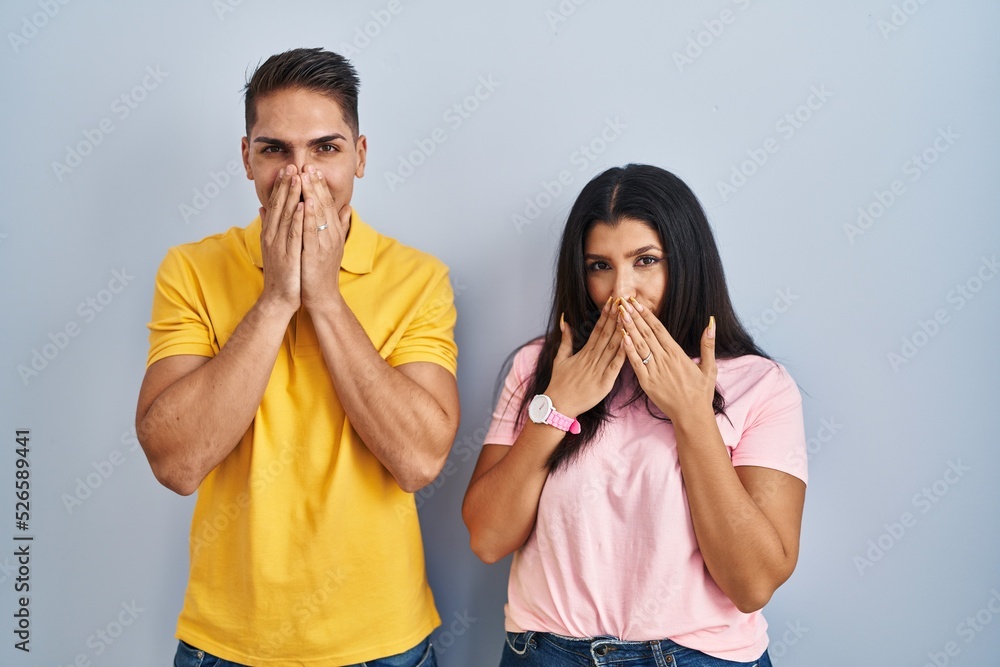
x=328 y=148
x=270 y=149
x=598 y=266
x=647 y=260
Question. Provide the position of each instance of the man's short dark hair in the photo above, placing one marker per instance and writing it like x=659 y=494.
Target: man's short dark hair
x=317 y=70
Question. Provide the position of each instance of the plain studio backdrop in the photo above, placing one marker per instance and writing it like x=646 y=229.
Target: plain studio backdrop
x=845 y=154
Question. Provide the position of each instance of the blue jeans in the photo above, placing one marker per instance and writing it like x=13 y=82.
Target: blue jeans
x=549 y=650
x=421 y=655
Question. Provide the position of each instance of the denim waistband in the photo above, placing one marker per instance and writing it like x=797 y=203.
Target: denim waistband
x=607 y=646
x=608 y=650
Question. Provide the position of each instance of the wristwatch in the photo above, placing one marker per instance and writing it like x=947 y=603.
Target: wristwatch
x=540 y=411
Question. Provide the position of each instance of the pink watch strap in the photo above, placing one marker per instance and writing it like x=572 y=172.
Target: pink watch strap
x=562 y=422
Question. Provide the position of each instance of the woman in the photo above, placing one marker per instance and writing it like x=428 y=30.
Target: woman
x=646 y=461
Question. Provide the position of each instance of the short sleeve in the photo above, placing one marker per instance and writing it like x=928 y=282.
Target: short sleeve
x=179 y=323
x=430 y=336
x=504 y=428
x=774 y=436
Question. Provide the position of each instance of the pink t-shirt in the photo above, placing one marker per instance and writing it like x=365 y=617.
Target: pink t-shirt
x=613 y=551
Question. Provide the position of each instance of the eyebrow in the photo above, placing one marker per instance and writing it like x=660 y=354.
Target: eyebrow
x=631 y=253
x=271 y=141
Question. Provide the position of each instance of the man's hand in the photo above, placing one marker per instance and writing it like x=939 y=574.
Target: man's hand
x=324 y=230
x=281 y=242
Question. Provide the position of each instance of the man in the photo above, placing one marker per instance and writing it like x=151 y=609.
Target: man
x=301 y=378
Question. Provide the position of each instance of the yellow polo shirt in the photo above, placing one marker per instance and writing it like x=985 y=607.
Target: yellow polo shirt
x=304 y=550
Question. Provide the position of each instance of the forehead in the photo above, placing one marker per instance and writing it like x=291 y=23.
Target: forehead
x=627 y=235
x=293 y=113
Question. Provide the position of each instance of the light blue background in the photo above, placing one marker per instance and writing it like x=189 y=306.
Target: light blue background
x=829 y=305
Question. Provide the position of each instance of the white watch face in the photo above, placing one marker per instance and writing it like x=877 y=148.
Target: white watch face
x=539 y=408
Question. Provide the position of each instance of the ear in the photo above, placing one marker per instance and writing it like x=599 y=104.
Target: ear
x=361 y=147
x=245 y=151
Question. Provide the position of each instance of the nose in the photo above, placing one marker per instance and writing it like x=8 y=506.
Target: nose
x=624 y=285
x=297 y=158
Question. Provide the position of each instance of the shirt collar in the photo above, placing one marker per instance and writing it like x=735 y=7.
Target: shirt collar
x=359 y=250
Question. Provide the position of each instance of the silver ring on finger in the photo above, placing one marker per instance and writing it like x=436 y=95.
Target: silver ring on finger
x=323 y=226
x=648 y=358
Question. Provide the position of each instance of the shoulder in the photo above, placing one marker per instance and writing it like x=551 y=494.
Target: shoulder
x=754 y=378
x=210 y=249
x=393 y=256
x=390 y=247
x=519 y=367
x=518 y=371
x=526 y=358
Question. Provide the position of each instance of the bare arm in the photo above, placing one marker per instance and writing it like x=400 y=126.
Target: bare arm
x=406 y=416
x=501 y=503
x=746 y=519
x=193 y=411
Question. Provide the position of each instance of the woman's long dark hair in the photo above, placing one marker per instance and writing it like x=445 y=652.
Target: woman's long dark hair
x=696 y=284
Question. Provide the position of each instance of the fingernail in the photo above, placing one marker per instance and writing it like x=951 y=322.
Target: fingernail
x=625 y=315
x=624 y=333
x=562 y=320
x=311 y=169
x=628 y=339
x=638 y=306
x=711 y=326
x=305 y=178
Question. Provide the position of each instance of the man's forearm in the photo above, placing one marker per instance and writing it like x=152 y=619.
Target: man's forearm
x=199 y=419
x=401 y=423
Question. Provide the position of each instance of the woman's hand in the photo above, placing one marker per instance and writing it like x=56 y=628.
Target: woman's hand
x=582 y=380
x=671 y=379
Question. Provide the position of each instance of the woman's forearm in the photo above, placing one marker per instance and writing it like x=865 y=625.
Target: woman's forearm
x=739 y=542
x=501 y=504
